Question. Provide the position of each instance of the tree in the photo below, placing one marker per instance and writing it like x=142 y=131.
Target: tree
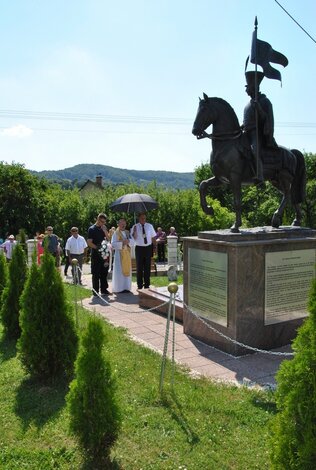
x=47 y=320
x=294 y=430
x=3 y=274
x=94 y=414
x=10 y=309
x=21 y=199
x=30 y=342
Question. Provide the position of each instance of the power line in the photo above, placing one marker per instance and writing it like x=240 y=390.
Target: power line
x=295 y=21
x=109 y=118
x=85 y=117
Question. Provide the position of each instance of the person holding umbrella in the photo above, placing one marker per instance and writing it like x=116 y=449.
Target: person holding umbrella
x=144 y=235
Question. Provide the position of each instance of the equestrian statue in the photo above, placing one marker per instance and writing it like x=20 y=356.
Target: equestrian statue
x=249 y=154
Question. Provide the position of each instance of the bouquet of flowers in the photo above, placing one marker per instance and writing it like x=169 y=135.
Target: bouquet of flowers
x=105 y=252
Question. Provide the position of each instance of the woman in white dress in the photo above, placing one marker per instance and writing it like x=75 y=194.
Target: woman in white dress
x=122 y=269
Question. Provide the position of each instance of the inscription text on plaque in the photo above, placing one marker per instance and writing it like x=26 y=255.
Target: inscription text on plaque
x=288 y=277
x=207 y=284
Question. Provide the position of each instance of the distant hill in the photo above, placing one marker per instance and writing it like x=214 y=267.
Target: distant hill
x=79 y=174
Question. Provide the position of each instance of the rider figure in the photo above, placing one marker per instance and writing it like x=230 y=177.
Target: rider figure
x=265 y=121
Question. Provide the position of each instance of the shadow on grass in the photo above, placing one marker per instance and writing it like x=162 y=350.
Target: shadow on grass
x=37 y=402
x=266 y=403
x=90 y=464
x=176 y=411
x=7 y=348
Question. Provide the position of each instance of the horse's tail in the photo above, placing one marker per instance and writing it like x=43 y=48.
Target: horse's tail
x=298 y=188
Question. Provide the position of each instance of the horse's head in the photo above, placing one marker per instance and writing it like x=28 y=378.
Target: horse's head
x=205 y=116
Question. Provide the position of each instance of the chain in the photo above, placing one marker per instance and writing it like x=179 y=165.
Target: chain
x=238 y=343
x=129 y=311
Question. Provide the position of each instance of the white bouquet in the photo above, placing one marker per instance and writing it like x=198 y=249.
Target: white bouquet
x=105 y=252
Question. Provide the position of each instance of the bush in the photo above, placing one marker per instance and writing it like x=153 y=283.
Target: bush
x=294 y=431
x=48 y=343
x=10 y=308
x=94 y=415
x=3 y=274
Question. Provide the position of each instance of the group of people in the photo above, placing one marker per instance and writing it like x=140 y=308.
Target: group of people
x=104 y=244
x=142 y=236
x=161 y=241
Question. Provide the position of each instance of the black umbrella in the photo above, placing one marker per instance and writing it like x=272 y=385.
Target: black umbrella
x=134 y=203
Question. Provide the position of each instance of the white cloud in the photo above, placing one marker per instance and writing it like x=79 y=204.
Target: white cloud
x=18 y=131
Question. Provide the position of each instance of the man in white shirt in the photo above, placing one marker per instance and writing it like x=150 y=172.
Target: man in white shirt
x=144 y=235
x=76 y=247
x=8 y=246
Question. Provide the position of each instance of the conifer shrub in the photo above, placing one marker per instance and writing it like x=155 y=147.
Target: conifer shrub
x=94 y=414
x=31 y=321
x=293 y=444
x=22 y=239
x=10 y=309
x=3 y=274
x=49 y=343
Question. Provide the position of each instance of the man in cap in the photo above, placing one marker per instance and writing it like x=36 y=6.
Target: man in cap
x=260 y=105
x=8 y=246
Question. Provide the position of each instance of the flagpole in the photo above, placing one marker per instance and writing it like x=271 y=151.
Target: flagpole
x=256 y=97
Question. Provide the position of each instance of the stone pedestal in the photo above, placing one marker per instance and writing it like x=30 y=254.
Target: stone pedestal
x=172 y=248
x=252 y=286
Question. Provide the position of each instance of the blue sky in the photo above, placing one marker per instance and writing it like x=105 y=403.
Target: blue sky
x=117 y=83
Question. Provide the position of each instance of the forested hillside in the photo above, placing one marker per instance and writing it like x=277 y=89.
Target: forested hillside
x=79 y=174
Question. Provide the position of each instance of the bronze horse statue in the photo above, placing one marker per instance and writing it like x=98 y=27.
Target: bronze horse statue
x=232 y=162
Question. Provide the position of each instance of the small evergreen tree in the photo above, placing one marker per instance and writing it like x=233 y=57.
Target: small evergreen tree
x=31 y=321
x=94 y=414
x=294 y=428
x=3 y=274
x=49 y=341
x=10 y=308
x=22 y=239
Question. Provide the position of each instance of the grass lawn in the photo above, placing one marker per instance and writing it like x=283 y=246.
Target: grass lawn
x=161 y=281
x=199 y=425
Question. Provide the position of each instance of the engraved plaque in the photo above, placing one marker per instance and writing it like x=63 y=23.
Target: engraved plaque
x=288 y=277
x=207 y=284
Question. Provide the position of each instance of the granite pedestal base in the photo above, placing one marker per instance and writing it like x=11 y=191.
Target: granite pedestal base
x=252 y=286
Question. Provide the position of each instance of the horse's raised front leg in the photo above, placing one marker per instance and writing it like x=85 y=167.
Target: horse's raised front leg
x=204 y=187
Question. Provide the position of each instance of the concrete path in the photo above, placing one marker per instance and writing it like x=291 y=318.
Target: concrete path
x=149 y=328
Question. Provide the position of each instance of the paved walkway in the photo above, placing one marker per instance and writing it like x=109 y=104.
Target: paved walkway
x=149 y=328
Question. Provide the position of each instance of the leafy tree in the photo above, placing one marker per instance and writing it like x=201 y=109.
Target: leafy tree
x=10 y=309
x=21 y=199
x=48 y=344
x=94 y=414
x=310 y=162
x=294 y=431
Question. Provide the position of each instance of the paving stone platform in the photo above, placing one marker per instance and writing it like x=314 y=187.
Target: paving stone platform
x=148 y=328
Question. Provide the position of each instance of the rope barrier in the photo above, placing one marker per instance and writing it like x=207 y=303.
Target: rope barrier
x=116 y=307
x=171 y=303
x=238 y=343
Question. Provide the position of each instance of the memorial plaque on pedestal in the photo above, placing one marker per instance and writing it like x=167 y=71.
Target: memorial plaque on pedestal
x=207 y=284
x=288 y=276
